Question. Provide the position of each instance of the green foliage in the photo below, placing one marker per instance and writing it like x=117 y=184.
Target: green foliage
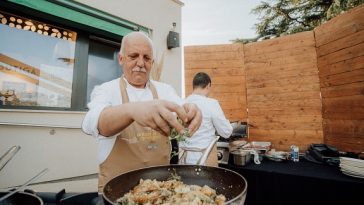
x=177 y=136
x=284 y=17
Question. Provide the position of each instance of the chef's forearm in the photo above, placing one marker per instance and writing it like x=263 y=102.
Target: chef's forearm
x=114 y=119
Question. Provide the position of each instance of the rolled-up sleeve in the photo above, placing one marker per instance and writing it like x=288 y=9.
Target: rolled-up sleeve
x=99 y=101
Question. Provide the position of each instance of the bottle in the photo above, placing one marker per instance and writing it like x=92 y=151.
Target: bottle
x=295 y=153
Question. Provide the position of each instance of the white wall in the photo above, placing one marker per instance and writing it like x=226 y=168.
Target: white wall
x=48 y=139
x=157 y=15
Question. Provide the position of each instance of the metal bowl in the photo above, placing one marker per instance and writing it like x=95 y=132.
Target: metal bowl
x=241 y=157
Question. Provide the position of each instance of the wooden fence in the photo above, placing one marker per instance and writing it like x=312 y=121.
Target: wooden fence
x=340 y=59
x=276 y=85
x=225 y=65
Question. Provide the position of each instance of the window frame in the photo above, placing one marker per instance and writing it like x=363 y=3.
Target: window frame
x=80 y=70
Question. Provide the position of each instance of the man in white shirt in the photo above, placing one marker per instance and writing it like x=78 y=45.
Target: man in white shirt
x=131 y=116
x=213 y=120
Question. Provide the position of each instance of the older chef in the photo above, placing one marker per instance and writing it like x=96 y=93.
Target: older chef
x=131 y=116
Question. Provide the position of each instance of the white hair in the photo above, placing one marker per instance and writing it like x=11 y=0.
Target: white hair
x=133 y=35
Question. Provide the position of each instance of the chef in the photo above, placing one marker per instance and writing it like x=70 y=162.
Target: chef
x=131 y=116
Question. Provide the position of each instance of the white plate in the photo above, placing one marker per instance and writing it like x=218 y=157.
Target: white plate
x=353 y=175
x=352 y=172
x=347 y=159
x=353 y=168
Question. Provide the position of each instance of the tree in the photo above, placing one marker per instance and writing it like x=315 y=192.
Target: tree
x=284 y=17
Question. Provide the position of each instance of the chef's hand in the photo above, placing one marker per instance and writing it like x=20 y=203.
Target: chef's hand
x=159 y=115
x=194 y=117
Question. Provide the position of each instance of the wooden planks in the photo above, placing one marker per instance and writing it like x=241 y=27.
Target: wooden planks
x=341 y=71
x=341 y=26
x=283 y=91
x=225 y=66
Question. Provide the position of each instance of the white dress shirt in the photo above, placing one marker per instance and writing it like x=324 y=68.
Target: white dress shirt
x=108 y=94
x=213 y=120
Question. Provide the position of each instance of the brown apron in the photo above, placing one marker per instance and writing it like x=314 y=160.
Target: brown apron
x=212 y=158
x=210 y=161
x=135 y=147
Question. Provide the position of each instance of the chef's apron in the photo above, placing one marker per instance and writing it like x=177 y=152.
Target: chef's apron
x=211 y=158
x=135 y=147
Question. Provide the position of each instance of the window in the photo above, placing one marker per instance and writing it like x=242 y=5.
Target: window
x=53 y=65
x=103 y=63
x=36 y=63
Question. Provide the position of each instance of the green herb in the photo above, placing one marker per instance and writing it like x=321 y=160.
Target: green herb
x=178 y=136
x=174 y=176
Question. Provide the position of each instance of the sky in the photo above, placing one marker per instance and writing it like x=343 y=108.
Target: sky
x=209 y=22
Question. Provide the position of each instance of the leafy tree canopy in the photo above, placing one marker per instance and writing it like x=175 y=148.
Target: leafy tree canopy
x=284 y=17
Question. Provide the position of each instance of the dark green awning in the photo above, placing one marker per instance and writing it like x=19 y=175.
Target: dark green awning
x=83 y=14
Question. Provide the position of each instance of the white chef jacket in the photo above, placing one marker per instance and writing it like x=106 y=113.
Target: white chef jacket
x=108 y=94
x=213 y=120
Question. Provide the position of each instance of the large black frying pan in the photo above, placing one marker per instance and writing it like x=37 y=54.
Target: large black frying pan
x=21 y=198
x=224 y=181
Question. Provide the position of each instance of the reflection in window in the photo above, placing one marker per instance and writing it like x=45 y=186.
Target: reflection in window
x=103 y=64
x=36 y=63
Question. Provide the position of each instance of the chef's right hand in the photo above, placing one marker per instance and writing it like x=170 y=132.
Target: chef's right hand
x=159 y=115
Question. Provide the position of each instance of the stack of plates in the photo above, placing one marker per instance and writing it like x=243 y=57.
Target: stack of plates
x=352 y=167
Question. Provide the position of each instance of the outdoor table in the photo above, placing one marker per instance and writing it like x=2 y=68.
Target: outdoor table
x=300 y=182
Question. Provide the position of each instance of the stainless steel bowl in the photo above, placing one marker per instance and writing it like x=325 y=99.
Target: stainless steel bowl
x=241 y=157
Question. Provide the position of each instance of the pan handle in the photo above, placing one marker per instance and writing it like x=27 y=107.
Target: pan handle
x=8 y=156
x=24 y=185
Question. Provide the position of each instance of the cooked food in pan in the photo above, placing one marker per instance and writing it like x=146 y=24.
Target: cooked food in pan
x=171 y=192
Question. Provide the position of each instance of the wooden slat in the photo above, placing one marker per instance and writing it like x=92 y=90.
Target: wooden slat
x=212 y=56
x=284 y=96
x=213 y=48
x=259 y=83
x=342 y=66
x=283 y=139
x=272 y=56
x=343 y=126
x=287 y=103
x=283 y=60
x=283 y=89
x=340 y=26
x=340 y=113
x=303 y=123
x=262 y=68
x=235 y=114
x=280 y=75
x=348 y=102
x=283 y=43
x=341 y=55
x=343 y=78
x=280 y=111
x=190 y=73
x=223 y=64
x=343 y=90
x=232 y=105
x=345 y=42
x=228 y=97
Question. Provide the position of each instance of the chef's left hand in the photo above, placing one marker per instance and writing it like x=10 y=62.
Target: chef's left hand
x=194 y=117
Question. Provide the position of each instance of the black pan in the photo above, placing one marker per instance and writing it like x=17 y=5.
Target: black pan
x=224 y=181
x=21 y=198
